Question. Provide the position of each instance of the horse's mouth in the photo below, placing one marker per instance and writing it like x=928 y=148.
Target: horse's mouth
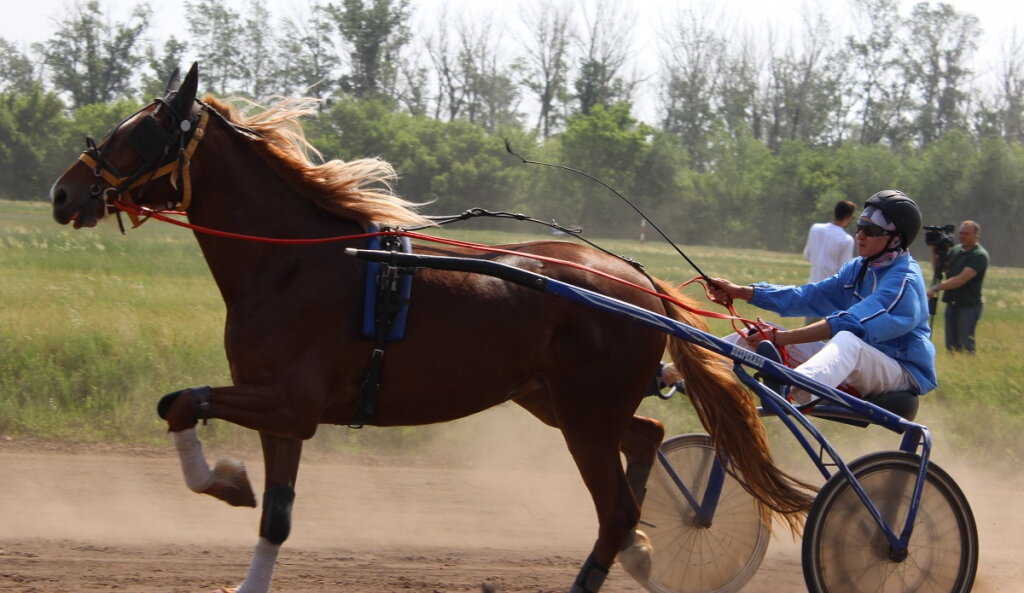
x=90 y=220
x=86 y=216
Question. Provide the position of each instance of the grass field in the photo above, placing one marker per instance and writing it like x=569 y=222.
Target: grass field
x=95 y=326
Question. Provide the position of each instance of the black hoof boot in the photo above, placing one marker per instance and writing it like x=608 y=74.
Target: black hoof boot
x=201 y=395
x=165 y=403
x=590 y=578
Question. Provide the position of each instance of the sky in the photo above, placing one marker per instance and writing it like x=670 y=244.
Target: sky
x=27 y=21
x=32 y=20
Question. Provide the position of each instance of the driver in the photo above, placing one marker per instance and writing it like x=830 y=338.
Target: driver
x=875 y=310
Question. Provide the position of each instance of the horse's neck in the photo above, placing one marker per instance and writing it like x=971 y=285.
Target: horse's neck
x=236 y=192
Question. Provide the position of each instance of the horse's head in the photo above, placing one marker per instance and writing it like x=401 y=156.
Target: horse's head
x=129 y=163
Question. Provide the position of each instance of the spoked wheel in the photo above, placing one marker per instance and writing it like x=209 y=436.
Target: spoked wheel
x=690 y=558
x=844 y=550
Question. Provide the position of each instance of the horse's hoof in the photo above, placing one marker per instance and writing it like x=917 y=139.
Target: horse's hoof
x=636 y=559
x=231 y=484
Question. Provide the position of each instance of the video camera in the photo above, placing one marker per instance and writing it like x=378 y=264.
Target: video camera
x=940 y=239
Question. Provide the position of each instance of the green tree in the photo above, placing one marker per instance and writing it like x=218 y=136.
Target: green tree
x=868 y=168
x=725 y=202
x=375 y=32
x=29 y=158
x=215 y=30
x=739 y=90
x=663 y=189
x=993 y=197
x=451 y=86
x=692 y=63
x=309 y=59
x=610 y=145
x=472 y=172
x=92 y=120
x=940 y=43
x=880 y=88
x=259 y=54
x=801 y=178
x=161 y=66
x=16 y=72
x=547 y=61
x=92 y=59
x=804 y=89
x=941 y=172
x=605 y=50
x=457 y=164
x=473 y=80
x=490 y=95
x=1009 y=104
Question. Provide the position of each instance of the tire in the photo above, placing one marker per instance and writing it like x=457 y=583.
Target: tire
x=687 y=558
x=844 y=551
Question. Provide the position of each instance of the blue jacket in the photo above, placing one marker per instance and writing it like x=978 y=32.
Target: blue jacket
x=889 y=310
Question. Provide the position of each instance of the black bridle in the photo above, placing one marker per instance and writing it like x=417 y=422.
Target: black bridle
x=164 y=152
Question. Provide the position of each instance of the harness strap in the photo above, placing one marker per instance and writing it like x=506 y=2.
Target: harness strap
x=390 y=302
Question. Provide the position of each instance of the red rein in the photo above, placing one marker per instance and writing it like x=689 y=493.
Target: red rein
x=162 y=216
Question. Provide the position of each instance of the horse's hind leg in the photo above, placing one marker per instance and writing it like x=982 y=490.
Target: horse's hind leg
x=640 y=447
x=594 y=444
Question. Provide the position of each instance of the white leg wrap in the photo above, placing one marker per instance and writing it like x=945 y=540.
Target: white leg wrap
x=261 y=569
x=198 y=476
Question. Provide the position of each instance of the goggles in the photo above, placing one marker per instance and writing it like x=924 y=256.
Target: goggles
x=871 y=229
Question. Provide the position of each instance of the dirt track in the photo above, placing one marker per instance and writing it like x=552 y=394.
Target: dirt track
x=124 y=521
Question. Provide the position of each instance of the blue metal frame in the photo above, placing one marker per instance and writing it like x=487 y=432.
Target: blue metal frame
x=916 y=437
x=706 y=507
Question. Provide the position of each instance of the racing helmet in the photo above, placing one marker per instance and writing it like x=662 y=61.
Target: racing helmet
x=901 y=211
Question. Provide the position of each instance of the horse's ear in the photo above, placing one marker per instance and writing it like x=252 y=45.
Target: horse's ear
x=173 y=82
x=186 y=93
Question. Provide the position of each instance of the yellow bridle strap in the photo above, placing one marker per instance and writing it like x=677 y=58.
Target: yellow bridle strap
x=172 y=167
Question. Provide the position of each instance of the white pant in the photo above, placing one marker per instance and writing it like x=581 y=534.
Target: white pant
x=848 y=359
x=845 y=359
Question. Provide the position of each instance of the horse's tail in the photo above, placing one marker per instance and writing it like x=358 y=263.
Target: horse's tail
x=727 y=411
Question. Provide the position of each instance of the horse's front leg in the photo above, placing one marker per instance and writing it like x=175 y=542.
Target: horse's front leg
x=281 y=458
x=256 y=407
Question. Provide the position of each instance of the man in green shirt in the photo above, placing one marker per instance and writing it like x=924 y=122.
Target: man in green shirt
x=966 y=271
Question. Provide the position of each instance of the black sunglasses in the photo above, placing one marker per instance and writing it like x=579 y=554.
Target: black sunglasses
x=871 y=229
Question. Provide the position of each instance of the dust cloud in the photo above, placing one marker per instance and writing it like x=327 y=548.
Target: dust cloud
x=505 y=491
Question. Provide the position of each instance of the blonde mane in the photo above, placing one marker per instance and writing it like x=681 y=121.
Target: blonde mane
x=358 y=190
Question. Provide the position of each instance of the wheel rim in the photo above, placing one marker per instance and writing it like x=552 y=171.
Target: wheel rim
x=852 y=555
x=691 y=559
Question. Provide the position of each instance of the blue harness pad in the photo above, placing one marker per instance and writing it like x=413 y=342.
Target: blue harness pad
x=373 y=270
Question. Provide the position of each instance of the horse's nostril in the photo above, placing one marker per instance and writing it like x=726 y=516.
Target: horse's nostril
x=58 y=196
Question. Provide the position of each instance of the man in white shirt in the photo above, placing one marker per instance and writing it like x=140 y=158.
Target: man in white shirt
x=829 y=246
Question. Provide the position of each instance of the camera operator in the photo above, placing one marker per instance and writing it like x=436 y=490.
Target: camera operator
x=965 y=269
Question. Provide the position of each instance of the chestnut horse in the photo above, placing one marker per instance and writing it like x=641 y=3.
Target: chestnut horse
x=294 y=315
